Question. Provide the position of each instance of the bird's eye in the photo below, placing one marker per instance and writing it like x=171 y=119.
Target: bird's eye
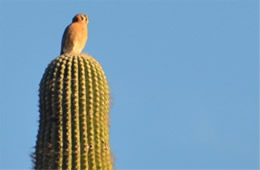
x=82 y=17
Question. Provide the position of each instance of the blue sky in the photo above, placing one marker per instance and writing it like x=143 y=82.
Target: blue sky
x=183 y=74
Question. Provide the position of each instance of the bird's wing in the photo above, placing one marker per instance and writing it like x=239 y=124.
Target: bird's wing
x=64 y=37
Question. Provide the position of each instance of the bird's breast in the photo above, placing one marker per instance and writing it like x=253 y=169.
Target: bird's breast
x=79 y=37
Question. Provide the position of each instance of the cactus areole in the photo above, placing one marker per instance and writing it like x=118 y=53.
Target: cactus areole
x=74 y=116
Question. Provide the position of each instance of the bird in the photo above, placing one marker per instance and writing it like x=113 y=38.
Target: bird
x=75 y=35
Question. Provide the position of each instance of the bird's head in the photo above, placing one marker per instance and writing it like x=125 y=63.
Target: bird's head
x=80 y=18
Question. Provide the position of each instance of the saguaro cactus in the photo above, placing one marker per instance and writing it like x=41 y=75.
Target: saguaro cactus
x=74 y=121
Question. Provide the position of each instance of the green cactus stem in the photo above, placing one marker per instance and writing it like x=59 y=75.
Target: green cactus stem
x=74 y=116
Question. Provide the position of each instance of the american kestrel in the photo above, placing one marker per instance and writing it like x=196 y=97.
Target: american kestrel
x=75 y=35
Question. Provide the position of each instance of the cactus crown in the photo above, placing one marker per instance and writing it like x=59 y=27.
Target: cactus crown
x=74 y=121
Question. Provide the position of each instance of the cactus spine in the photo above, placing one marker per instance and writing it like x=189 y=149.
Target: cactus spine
x=74 y=123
